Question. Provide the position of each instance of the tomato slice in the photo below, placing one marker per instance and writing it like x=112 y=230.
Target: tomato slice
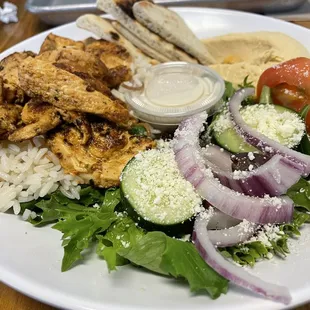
x=307 y=120
x=290 y=84
x=289 y=96
x=294 y=72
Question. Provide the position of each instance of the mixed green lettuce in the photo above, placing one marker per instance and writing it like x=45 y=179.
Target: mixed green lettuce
x=250 y=253
x=95 y=218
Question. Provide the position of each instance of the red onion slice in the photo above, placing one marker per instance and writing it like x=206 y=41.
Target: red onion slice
x=230 y=271
x=217 y=158
x=259 y=140
x=191 y=164
x=221 y=220
x=231 y=234
x=273 y=178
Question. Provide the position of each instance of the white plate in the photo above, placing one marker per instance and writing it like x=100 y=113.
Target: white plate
x=30 y=258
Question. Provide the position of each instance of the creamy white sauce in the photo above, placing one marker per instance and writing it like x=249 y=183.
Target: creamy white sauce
x=175 y=89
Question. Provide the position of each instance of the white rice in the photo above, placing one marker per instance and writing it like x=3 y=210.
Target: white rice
x=28 y=170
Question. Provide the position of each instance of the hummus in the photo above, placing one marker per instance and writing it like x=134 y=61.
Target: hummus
x=240 y=54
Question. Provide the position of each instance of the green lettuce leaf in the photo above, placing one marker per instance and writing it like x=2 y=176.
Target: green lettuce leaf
x=161 y=254
x=76 y=219
x=53 y=207
x=246 y=83
x=181 y=259
x=79 y=230
x=229 y=91
x=300 y=194
x=249 y=253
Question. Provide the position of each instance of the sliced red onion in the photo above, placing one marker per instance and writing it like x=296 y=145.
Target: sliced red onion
x=273 y=178
x=230 y=235
x=217 y=158
x=259 y=140
x=191 y=164
x=221 y=221
x=233 y=235
x=234 y=273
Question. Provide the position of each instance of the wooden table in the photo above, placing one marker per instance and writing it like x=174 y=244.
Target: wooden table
x=11 y=34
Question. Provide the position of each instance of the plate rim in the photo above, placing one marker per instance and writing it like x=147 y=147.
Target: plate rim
x=180 y=9
x=11 y=279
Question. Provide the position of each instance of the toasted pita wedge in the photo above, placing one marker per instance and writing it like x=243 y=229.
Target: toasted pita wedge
x=139 y=44
x=103 y=29
x=170 y=25
x=151 y=39
x=126 y=6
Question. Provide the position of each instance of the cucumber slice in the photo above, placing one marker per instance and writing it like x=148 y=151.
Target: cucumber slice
x=231 y=141
x=155 y=193
x=276 y=122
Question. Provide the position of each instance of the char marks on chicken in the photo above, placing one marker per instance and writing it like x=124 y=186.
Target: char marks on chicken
x=64 y=93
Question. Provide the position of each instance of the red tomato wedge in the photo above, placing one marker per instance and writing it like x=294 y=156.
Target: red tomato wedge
x=290 y=85
x=289 y=96
x=295 y=72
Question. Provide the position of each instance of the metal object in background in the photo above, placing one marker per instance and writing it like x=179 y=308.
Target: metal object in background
x=57 y=12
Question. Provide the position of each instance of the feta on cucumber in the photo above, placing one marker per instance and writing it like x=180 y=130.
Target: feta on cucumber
x=276 y=122
x=155 y=193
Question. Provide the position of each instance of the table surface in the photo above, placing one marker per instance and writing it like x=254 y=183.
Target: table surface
x=11 y=34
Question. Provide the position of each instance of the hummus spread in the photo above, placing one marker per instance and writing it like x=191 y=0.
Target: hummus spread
x=240 y=54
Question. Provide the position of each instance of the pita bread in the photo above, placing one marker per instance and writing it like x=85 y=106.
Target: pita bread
x=138 y=43
x=170 y=25
x=104 y=30
x=151 y=39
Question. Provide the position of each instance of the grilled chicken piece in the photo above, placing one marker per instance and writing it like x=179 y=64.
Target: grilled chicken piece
x=1 y=91
x=38 y=117
x=67 y=91
x=10 y=115
x=85 y=65
x=118 y=75
x=104 y=155
x=111 y=54
x=115 y=57
x=105 y=61
x=78 y=60
x=11 y=91
x=54 y=42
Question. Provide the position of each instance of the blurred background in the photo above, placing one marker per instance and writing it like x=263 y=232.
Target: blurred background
x=59 y=11
x=35 y=16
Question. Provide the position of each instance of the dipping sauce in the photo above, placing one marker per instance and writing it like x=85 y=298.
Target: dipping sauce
x=176 y=89
x=173 y=91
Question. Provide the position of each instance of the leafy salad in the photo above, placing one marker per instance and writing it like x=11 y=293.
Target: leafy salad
x=254 y=150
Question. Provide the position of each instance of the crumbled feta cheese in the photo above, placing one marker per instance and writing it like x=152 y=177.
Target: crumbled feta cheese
x=158 y=187
x=286 y=127
x=125 y=244
x=251 y=156
x=269 y=255
x=268 y=233
x=239 y=174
